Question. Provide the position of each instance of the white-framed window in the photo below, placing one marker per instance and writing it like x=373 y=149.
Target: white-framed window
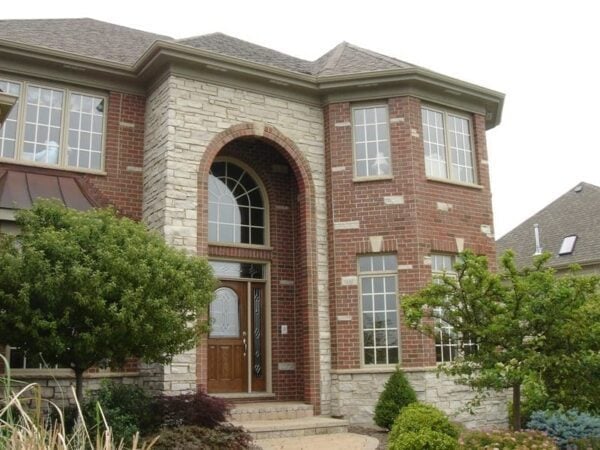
x=379 y=309
x=448 y=343
x=53 y=126
x=236 y=207
x=371 y=134
x=447 y=140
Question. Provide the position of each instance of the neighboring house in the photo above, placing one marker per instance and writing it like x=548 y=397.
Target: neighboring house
x=321 y=192
x=568 y=228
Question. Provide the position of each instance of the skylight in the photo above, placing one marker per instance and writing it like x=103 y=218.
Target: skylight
x=568 y=244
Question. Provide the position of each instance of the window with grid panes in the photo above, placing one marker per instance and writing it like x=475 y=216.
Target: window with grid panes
x=379 y=309
x=236 y=210
x=371 y=142
x=448 y=343
x=448 y=147
x=53 y=126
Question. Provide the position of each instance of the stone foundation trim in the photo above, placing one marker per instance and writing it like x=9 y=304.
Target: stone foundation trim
x=348 y=225
x=64 y=374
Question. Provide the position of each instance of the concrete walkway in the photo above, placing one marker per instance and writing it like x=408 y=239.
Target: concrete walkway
x=342 y=441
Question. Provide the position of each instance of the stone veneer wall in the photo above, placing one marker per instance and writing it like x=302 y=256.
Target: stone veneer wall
x=354 y=396
x=183 y=117
x=57 y=388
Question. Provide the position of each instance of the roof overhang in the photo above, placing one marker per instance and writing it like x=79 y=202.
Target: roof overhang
x=162 y=56
x=6 y=103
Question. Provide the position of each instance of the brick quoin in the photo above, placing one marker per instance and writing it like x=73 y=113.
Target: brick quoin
x=412 y=231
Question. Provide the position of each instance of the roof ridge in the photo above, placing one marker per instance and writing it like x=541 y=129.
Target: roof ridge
x=333 y=61
x=219 y=33
x=381 y=56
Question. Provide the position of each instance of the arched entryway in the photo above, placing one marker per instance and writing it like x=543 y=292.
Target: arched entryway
x=266 y=266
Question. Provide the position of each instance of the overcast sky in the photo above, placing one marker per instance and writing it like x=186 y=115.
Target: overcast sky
x=544 y=55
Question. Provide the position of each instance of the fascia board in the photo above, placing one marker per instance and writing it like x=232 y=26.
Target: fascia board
x=66 y=58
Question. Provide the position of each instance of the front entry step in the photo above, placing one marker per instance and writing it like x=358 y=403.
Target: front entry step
x=270 y=411
x=268 y=420
x=284 y=428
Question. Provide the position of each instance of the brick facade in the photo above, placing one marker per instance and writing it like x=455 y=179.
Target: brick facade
x=158 y=152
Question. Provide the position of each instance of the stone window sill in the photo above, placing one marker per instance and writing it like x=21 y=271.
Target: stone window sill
x=455 y=183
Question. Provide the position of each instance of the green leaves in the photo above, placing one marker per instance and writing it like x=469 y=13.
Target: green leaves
x=82 y=287
x=524 y=320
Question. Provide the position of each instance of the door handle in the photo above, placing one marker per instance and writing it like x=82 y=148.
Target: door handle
x=245 y=342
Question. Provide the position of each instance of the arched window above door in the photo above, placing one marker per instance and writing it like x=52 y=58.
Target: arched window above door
x=236 y=209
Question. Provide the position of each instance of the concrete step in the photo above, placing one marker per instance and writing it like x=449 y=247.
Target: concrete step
x=306 y=426
x=270 y=411
x=342 y=441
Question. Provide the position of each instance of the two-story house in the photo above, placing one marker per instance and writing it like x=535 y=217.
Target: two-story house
x=321 y=192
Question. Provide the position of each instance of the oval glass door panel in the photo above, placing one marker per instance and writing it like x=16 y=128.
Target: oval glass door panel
x=225 y=314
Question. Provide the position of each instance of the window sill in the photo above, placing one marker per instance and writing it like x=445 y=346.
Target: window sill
x=378 y=178
x=381 y=369
x=64 y=374
x=456 y=183
x=248 y=246
x=20 y=162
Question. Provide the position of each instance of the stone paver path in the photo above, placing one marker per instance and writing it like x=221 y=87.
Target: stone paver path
x=342 y=441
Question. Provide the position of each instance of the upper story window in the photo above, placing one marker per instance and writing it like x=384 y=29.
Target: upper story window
x=371 y=142
x=53 y=127
x=448 y=146
x=379 y=308
x=236 y=210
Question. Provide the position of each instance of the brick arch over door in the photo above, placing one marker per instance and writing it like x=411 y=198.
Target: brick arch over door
x=290 y=151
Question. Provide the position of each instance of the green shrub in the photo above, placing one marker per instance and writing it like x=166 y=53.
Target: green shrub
x=591 y=443
x=423 y=440
x=128 y=409
x=505 y=440
x=419 y=416
x=565 y=427
x=397 y=393
x=223 y=437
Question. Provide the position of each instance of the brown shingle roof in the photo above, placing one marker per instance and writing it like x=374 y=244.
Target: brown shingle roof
x=577 y=212
x=115 y=43
x=85 y=37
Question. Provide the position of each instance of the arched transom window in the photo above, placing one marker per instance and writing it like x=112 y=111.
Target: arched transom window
x=236 y=211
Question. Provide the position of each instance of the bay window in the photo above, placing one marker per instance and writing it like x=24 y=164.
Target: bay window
x=55 y=127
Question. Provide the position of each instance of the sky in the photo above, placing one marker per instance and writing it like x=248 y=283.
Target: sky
x=543 y=55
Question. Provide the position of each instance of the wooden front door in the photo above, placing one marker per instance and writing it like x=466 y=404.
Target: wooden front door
x=228 y=339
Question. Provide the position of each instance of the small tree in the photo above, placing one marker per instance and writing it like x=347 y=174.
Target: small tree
x=522 y=321
x=397 y=393
x=82 y=288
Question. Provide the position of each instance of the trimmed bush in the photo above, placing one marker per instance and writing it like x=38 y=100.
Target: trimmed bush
x=200 y=438
x=128 y=409
x=198 y=409
x=419 y=416
x=397 y=393
x=505 y=440
x=565 y=427
x=423 y=440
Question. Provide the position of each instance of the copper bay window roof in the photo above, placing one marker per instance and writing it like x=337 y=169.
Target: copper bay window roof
x=18 y=190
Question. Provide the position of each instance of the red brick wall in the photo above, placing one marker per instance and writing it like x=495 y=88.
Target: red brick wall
x=124 y=147
x=412 y=230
